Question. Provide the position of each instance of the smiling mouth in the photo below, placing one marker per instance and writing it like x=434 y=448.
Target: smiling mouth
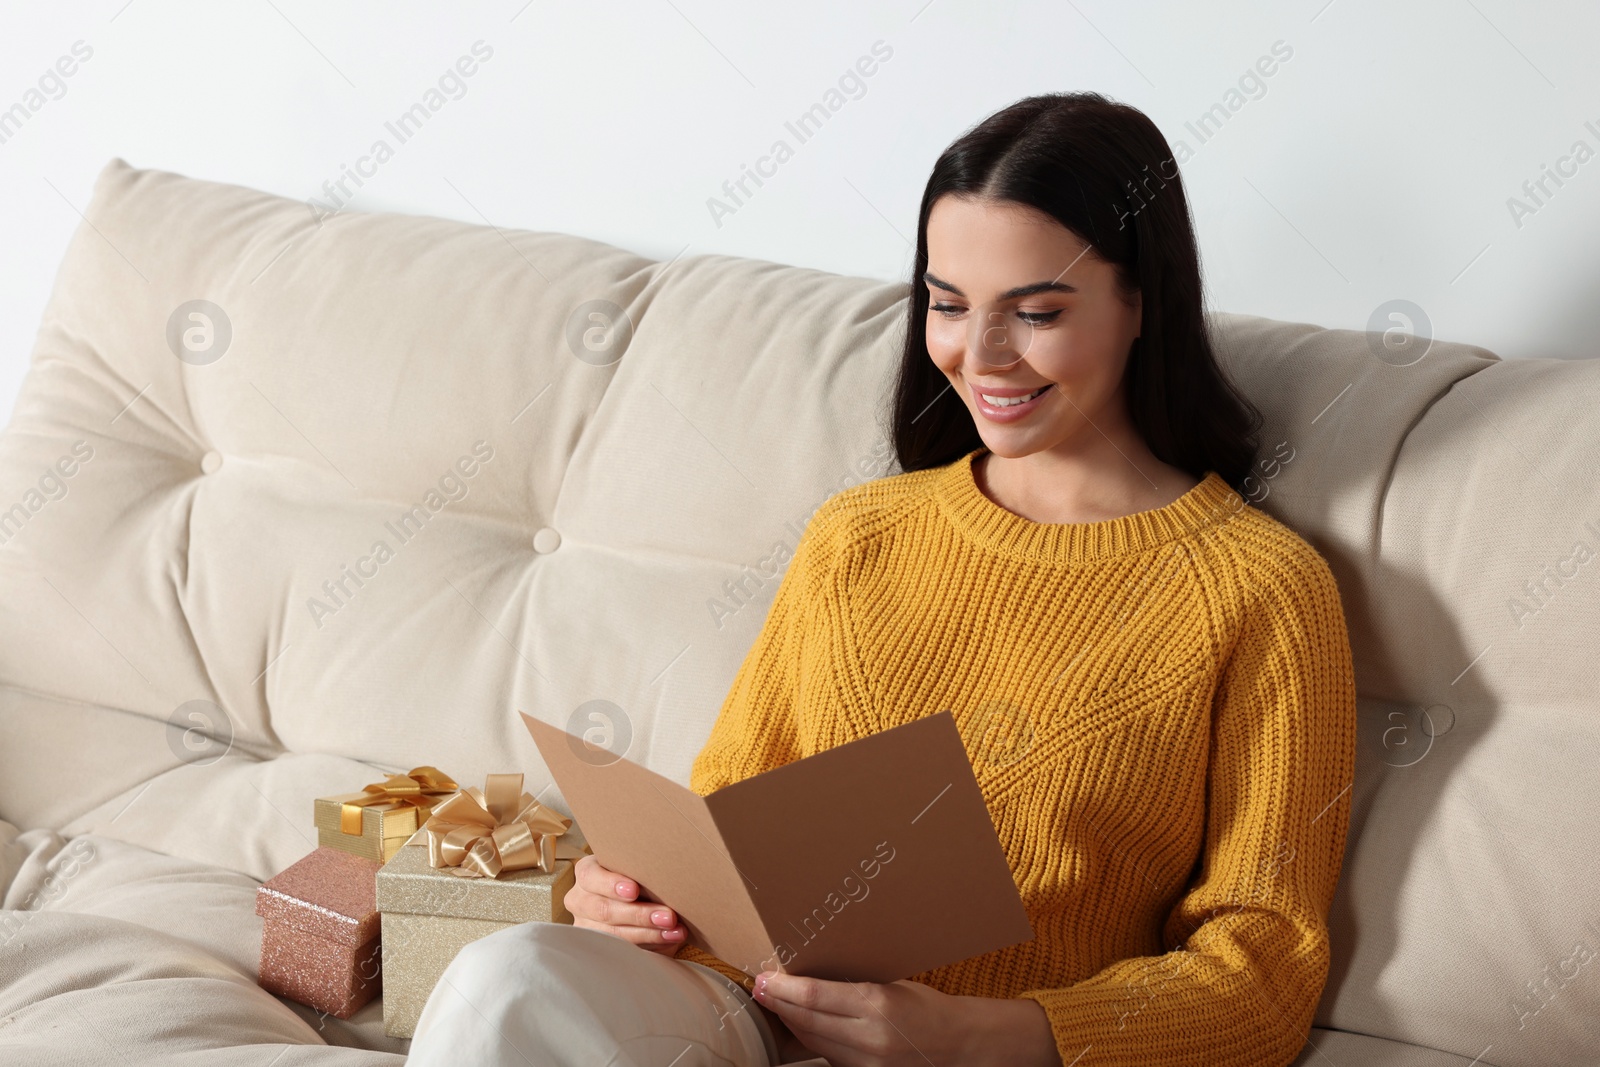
x=1007 y=408
x=1010 y=401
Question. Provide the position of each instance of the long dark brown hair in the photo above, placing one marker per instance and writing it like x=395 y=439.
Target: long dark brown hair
x=1104 y=171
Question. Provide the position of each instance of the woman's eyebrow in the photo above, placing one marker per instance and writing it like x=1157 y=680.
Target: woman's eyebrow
x=1010 y=294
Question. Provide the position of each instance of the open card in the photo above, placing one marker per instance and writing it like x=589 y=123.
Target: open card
x=871 y=861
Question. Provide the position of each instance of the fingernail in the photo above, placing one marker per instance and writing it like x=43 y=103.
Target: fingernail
x=673 y=935
x=660 y=918
x=623 y=889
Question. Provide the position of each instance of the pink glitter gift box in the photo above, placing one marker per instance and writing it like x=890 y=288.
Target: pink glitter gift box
x=320 y=938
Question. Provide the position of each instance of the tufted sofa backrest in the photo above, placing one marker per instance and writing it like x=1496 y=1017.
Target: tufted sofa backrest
x=287 y=504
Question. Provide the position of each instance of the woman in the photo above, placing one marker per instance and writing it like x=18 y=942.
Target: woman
x=1152 y=677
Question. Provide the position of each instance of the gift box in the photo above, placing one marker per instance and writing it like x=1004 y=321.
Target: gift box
x=486 y=860
x=375 y=822
x=320 y=935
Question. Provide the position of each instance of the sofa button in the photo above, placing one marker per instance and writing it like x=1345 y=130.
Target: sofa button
x=211 y=462
x=546 y=540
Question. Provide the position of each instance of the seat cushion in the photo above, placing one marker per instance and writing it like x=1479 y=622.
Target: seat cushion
x=1340 y=1047
x=112 y=953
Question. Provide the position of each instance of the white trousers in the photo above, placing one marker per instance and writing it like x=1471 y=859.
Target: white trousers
x=544 y=994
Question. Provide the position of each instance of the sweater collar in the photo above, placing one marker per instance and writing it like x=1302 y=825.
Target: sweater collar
x=988 y=524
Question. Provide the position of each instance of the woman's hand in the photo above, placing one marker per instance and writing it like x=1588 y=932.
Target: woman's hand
x=605 y=900
x=905 y=1023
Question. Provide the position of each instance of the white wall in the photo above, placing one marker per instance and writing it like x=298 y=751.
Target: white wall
x=1375 y=163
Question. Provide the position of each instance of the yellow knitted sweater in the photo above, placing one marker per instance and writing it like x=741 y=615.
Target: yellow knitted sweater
x=1161 y=714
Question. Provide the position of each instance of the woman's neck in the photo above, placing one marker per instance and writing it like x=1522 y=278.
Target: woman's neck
x=1043 y=487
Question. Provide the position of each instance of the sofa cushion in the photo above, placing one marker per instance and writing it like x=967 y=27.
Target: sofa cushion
x=410 y=497
x=1454 y=498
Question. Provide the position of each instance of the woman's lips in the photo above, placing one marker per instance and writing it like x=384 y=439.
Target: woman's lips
x=1011 y=412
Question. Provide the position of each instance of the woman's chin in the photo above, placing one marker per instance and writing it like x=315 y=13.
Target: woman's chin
x=1011 y=442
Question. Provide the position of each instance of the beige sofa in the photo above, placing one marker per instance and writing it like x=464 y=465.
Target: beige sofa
x=198 y=634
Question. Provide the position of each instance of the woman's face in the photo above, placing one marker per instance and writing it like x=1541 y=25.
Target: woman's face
x=1018 y=302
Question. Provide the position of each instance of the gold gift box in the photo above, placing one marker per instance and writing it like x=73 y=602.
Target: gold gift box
x=428 y=914
x=384 y=827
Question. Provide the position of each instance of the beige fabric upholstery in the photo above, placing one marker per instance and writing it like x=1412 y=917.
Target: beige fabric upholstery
x=621 y=542
x=1456 y=502
x=116 y=954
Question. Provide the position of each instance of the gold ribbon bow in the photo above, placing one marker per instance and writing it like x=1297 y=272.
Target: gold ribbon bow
x=417 y=787
x=480 y=833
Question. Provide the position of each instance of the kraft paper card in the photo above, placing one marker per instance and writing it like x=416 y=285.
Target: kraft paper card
x=871 y=861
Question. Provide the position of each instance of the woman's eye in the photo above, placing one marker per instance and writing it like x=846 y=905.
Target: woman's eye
x=1038 y=318
x=1032 y=318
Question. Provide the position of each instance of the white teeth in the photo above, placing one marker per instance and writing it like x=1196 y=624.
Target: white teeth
x=1011 y=401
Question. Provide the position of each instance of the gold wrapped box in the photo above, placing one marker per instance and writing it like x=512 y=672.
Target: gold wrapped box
x=428 y=914
x=375 y=822
x=384 y=828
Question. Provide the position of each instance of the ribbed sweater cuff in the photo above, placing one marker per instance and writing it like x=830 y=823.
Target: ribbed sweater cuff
x=1200 y=1017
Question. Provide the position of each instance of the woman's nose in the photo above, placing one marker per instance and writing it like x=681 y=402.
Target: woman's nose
x=996 y=339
